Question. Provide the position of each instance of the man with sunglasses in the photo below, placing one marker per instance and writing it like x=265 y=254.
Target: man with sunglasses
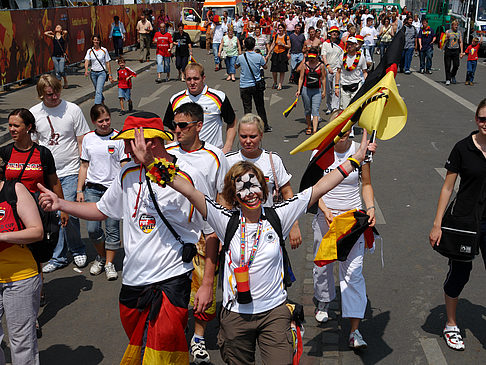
x=212 y=167
x=216 y=106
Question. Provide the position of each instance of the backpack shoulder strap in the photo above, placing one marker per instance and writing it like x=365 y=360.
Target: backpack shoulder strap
x=11 y=194
x=274 y=220
x=231 y=228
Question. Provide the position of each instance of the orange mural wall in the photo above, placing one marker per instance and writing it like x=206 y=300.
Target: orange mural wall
x=25 y=52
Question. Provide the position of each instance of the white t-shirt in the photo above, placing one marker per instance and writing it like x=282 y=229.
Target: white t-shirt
x=266 y=272
x=263 y=163
x=68 y=122
x=152 y=254
x=354 y=76
x=218 y=34
x=100 y=63
x=334 y=54
x=346 y=195
x=104 y=156
x=369 y=34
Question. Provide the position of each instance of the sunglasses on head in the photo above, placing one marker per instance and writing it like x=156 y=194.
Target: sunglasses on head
x=182 y=125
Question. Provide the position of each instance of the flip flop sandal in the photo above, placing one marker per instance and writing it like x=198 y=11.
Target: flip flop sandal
x=454 y=340
x=308 y=131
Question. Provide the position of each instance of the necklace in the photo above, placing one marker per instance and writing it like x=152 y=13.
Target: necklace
x=243 y=241
x=355 y=62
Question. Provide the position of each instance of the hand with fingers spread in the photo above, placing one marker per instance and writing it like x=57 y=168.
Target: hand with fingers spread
x=141 y=148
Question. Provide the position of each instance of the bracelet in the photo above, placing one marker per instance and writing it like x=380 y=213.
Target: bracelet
x=336 y=87
x=372 y=207
x=161 y=171
x=78 y=191
x=354 y=162
x=342 y=170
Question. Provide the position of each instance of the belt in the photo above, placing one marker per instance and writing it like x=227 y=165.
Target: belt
x=96 y=186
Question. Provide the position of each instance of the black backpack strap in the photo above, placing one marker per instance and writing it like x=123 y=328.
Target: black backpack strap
x=11 y=195
x=231 y=228
x=272 y=217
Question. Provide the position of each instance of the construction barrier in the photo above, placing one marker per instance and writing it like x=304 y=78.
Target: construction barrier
x=25 y=51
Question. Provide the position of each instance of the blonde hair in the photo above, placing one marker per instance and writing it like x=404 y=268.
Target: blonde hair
x=195 y=66
x=237 y=170
x=251 y=118
x=475 y=39
x=47 y=80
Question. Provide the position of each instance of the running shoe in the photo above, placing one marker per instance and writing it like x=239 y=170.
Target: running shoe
x=80 y=260
x=448 y=83
x=97 y=266
x=453 y=80
x=453 y=338
x=322 y=312
x=50 y=267
x=110 y=271
x=356 y=341
x=199 y=352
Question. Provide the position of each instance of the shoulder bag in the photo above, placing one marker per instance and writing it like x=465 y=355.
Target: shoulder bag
x=102 y=66
x=189 y=250
x=260 y=84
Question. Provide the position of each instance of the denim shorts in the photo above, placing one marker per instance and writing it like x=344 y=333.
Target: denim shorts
x=163 y=64
x=125 y=94
x=312 y=100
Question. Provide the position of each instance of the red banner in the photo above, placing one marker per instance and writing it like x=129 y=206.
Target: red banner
x=26 y=52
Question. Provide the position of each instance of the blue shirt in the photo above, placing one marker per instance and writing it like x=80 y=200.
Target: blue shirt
x=256 y=61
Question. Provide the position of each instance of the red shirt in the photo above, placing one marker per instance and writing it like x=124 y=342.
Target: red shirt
x=163 y=42
x=123 y=73
x=264 y=23
x=472 y=52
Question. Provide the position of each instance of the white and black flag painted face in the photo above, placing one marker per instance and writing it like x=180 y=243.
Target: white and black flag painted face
x=247 y=184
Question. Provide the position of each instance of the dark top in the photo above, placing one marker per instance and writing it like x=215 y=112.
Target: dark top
x=182 y=44
x=59 y=47
x=40 y=165
x=426 y=35
x=296 y=43
x=469 y=162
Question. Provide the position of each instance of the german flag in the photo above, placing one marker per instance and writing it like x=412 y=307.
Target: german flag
x=343 y=233
x=338 y=7
x=290 y=108
x=192 y=59
x=442 y=40
x=377 y=107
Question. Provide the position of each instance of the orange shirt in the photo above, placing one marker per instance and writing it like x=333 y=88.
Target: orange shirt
x=279 y=40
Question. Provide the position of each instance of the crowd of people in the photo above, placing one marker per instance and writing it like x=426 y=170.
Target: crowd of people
x=192 y=208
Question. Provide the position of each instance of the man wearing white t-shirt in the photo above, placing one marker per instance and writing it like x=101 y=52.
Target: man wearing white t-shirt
x=369 y=34
x=216 y=105
x=156 y=280
x=349 y=73
x=212 y=167
x=60 y=127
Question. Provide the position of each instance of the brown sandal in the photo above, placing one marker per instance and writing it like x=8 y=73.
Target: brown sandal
x=308 y=131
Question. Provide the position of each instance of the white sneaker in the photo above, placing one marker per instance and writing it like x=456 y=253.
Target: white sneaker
x=322 y=315
x=80 y=260
x=356 y=341
x=453 y=338
x=198 y=350
x=448 y=82
x=110 y=271
x=97 y=266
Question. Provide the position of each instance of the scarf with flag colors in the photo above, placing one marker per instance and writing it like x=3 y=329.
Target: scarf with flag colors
x=343 y=233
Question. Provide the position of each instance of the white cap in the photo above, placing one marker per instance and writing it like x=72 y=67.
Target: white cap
x=352 y=40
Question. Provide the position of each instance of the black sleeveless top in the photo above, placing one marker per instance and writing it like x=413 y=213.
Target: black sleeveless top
x=59 y=47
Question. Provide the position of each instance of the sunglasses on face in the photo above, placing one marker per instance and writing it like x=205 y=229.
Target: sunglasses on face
x=182 y=125
x=481 y=119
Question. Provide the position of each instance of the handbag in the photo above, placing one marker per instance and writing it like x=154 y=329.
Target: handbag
x=460 y=235
x=260 y=84
x=277 y=194
x=189 y=250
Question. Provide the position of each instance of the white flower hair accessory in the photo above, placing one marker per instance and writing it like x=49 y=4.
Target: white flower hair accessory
x=247 y=184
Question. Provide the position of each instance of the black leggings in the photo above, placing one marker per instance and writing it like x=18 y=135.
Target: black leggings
x=451 y=58
x=459 y=271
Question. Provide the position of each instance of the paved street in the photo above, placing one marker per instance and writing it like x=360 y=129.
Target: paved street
x=405 y=314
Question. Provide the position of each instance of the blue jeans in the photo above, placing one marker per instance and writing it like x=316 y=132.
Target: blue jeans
x=295 y=59
x=95 y=231
x=383 y=48
x=312 y=99
x=163 y=64
x=215 y=53
x=406 y=61
x=230 y=65
x=69 y=236
x=426 y=59
x=98 y=78
x=59 y=66
x=471 y=70
x=369 y=49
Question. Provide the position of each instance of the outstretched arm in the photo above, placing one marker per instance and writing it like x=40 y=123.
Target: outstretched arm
x=331 y=180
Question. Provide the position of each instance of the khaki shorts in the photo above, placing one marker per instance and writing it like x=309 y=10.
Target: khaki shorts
x=239 y=333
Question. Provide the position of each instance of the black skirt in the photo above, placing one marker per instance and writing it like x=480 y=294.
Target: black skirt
x=280 y=62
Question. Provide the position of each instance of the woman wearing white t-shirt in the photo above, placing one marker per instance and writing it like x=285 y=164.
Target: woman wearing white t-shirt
x=100 y=67
x=339 y=200
x=101 y=161
x=254 y=296
x=250 y=132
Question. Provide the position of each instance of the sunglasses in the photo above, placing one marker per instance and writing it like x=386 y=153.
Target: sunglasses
x=481 y=119
x=182 y=125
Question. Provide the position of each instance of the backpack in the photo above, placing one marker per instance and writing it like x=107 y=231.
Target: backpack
x=41 y=250
x=274 y=220
x=313 y=77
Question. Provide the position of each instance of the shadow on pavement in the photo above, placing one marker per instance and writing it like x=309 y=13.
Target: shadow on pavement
x=470 y=316
x=62 y=292
x=62 y=354
x=372 y=327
